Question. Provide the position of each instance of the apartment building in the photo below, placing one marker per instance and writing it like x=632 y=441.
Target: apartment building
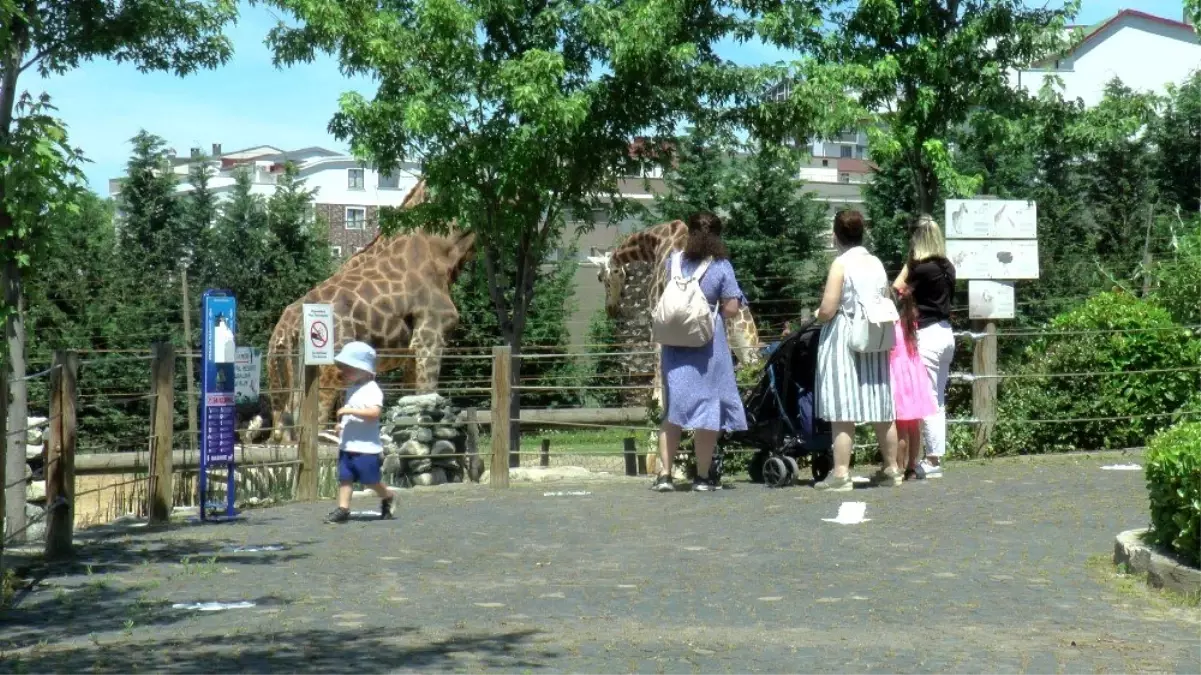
x=348 y=194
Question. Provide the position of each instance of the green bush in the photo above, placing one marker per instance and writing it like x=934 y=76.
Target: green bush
x=1179 y=282
x=1107 y=379
x=1174 y=479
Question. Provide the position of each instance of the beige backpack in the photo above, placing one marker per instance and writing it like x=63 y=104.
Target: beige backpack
x=683 y=316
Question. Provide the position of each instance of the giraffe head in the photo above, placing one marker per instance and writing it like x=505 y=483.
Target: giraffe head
x=613 y=277
x=460 y=249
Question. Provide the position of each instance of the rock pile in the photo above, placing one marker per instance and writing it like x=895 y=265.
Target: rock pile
x=426 y=443
x=35 y=480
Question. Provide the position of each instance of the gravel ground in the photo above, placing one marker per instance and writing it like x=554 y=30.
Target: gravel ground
x=991 y=569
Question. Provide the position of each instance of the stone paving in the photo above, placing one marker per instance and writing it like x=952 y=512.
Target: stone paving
x=991 y=569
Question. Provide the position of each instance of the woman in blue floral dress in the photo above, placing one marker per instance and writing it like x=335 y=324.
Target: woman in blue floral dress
x=699 y=389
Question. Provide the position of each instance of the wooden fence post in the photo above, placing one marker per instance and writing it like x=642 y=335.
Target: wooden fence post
x=631 y=454
x=544 y=460
x=310 y=423
x=501 y=388
x=162 y=425
x=984 y=386
x=60 y=456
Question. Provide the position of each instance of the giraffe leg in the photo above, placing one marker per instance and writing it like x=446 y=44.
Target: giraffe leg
x=429 y=339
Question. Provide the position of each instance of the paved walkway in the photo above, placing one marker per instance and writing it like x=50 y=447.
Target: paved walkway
x=997 y=579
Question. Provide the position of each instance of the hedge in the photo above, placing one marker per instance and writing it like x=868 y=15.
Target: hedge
x=1174 y=479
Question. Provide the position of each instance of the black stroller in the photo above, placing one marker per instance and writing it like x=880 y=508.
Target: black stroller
x=780 y=417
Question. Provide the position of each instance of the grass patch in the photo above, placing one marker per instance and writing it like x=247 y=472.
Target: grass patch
x=1135 y=587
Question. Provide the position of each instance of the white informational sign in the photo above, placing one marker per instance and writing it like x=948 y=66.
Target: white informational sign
x=248 y=375
x=318 y=335
x=990 y=299
x=994 y=258
x=991 y=219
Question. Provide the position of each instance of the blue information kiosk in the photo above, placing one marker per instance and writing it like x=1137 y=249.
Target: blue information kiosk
x=217 y=411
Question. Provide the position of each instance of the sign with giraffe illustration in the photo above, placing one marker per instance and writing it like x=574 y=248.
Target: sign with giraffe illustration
x=318 y=335
x=992 y=239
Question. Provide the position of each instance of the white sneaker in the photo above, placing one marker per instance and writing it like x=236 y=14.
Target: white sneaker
x=927 y=470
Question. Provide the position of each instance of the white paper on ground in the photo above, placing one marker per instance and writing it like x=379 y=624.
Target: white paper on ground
x=372 y=514
x=212 y=606
x=566 y=494
x=850 y=513
x=1121 y=467
x=256 y=549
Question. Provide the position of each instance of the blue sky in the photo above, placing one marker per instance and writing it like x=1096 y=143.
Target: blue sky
x=250 y=102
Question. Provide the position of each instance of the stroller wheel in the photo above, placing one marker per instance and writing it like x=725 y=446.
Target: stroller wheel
x=821 y=464
x=755 y=469
x=794 y=471
x=776 y=472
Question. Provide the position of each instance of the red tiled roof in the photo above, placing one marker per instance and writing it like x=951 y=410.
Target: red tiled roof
x=852 y=165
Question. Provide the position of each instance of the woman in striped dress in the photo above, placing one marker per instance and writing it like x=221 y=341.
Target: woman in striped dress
x=852 y=387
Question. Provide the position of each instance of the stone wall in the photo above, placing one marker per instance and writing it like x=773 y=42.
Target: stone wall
x=426 y=443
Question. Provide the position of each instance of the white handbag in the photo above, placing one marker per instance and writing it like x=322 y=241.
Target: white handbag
x=872 y=326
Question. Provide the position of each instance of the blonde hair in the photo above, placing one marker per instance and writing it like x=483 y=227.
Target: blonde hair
x=926 y=240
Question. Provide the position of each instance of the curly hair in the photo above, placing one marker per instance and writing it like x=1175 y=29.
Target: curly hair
x=704 y=237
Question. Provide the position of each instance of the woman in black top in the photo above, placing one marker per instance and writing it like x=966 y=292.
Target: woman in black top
x=930 y=277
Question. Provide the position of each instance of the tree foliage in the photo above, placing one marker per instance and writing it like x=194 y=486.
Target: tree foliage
x=920 y=68
x=523 y=112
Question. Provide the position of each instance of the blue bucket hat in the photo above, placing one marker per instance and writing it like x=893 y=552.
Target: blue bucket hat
x=358 y=355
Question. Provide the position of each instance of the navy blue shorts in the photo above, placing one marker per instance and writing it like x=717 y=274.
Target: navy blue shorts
x=359 y=467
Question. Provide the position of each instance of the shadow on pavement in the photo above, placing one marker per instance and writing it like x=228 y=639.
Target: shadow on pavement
x=293 y=652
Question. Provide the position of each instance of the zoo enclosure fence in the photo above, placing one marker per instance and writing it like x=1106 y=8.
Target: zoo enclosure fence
x=164 y=460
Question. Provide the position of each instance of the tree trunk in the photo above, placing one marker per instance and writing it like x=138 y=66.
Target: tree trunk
x=13 y=293
x=18 y=406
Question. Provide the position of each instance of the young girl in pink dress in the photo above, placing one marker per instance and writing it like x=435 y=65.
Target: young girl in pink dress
x=911 y=394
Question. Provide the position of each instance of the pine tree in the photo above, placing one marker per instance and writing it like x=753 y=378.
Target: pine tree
x=298 y=254
x=150 y=228
x=772 y=232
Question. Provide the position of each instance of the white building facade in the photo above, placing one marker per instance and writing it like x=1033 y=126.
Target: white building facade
x=348 y=194
x=1146 y=52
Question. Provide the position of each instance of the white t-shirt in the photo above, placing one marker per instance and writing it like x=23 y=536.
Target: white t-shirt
x=358 y=434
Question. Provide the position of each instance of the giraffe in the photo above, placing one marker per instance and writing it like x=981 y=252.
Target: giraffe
x=393 y=294
x=654 y=245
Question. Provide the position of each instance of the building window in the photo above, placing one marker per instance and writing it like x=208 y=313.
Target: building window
x=335 y=251
x=825 y=162
x=389 y=181
x=354 y=179
x=844 y=177
x=860 y=151
x=356 y=218
x=845 y=151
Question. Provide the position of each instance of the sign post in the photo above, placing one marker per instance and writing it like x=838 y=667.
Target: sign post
x=218 y=313
x=991 y=242
x=317 y=336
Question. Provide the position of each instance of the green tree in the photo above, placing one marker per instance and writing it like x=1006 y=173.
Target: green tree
x=238 y=254
x=53 y=37
x=1176 y=135
x=1118 y=174
x=696 y=176
x=772 y=231
x=298 y=253
x=521 y=112
x=922 y=67
x=151 y=233
x=200 y=208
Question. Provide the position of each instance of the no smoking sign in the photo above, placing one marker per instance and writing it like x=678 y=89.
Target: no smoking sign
x=319 y=335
